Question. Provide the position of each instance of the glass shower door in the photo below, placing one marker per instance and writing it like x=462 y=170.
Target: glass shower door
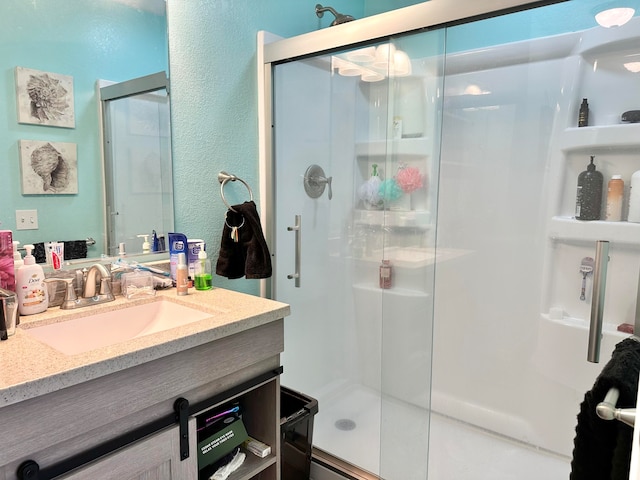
x=356 y=148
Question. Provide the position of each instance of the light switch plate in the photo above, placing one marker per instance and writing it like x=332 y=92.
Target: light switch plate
x=26 y=219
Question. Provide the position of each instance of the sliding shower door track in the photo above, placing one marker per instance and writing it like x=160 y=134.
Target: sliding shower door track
x=340 y=467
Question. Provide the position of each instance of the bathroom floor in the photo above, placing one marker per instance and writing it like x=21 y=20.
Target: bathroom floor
x=348 y=425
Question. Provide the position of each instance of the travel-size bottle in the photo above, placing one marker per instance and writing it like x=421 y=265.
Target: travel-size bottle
x=615 y=197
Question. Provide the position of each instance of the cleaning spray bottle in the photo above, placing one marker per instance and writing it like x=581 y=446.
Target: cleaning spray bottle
x=31 y=289
x=203 y=278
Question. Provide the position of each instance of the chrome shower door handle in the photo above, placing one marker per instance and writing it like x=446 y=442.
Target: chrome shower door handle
x=298 y=247
x=597 y=302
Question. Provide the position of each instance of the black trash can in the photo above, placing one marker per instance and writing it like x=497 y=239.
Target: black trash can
x=296 y=428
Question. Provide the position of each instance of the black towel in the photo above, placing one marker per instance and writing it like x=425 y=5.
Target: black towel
x=39 y=252
x=75 y=249
x=248 y=256
x=602 y=448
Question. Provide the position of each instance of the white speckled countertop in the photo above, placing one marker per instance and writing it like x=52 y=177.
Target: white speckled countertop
x=29 y=368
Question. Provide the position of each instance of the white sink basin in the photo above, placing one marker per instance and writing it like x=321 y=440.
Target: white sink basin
x=109 y=328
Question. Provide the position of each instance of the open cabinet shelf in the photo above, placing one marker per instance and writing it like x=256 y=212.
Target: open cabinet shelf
x=260 y=415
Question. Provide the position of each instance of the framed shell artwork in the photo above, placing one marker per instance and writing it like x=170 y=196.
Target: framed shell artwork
x=48 y=167
x=44 y=98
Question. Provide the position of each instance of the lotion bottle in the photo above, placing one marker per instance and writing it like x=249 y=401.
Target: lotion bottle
x=31 y=289
x=634 y=198
x=182 y=275
x=589 y=194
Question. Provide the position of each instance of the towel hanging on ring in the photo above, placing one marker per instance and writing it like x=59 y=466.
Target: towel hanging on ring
x=243 y=249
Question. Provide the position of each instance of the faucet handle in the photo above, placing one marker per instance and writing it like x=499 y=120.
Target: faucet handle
x=105 y=286
x=69 y=294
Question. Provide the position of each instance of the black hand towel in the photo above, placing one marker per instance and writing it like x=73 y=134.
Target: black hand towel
x=248 y=256
x=39 y=252
x=74 y=249
x=602 y=448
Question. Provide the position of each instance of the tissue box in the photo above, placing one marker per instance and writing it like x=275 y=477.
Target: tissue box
x=221 y=443
x=7 y=272
x=137 y=284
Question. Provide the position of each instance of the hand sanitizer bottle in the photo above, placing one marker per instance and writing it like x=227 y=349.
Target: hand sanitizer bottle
x=203 y=279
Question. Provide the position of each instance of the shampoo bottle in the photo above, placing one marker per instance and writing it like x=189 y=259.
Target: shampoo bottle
x=203 y=277
x=583 y=114
x=589 y=194
x=31 y=289
x=615 y=196
x=385 y=274
x=634 y=198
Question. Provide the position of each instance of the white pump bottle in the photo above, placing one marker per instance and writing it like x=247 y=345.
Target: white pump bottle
x=31 y=289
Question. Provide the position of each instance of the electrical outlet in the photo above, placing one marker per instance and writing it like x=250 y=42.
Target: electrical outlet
x=26 y=219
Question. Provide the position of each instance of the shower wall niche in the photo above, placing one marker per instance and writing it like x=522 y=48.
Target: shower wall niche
x=397 y=140
x=611 y=89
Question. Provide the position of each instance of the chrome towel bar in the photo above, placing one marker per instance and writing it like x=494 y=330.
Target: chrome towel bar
x=607 y=410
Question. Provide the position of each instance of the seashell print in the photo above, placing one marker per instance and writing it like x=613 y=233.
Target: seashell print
x=49 y=164
x=48 y=97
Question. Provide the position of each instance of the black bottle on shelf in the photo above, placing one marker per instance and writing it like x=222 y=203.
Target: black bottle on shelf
x=583 y=115
x=589 y=195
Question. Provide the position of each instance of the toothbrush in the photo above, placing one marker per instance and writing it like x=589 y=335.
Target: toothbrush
x=152 y=270
x=586 y=268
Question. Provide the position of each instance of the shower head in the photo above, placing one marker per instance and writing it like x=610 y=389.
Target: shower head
x=340 y=18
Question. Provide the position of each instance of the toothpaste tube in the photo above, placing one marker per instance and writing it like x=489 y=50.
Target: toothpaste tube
x=55 y=254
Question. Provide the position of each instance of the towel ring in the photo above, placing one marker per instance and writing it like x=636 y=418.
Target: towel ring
x=223 y=178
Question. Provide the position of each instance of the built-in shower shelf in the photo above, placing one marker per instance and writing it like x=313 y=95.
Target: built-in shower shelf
x=570 y=229
x=393 y=218
x=601 y=138
x=406 y=147
x=413 y=257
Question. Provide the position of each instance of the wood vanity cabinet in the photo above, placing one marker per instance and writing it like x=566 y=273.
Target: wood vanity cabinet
x=156 y=457
x=56 y=427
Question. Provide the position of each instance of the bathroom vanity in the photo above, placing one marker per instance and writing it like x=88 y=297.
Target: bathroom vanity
x=127 y=408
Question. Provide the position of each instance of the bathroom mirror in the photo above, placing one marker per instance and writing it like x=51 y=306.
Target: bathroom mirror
x=84 y=42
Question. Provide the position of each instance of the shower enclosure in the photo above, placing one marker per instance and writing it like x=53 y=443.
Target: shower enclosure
x=450 y=150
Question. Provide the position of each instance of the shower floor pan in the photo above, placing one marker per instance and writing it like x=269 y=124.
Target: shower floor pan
x=456 y=450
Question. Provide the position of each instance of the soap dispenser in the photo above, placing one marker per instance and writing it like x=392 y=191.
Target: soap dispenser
x=589 y=194
x=31 y=289
x=146 y=246
x=17 y=258
x=203 y=278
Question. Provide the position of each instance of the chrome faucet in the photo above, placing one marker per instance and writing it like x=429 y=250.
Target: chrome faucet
x=89 y=290
x=89 y=295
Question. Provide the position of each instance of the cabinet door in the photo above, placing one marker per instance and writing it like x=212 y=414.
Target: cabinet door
x=156 y=457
